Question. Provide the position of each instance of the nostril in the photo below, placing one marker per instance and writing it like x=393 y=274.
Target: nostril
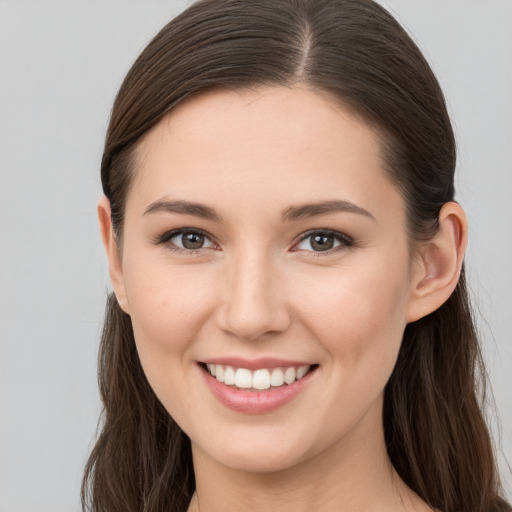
x=254 y=324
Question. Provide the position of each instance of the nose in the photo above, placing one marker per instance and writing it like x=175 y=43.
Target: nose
x=254 y=298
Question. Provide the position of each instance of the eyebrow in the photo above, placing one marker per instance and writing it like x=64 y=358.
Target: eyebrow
x=305 y=211
x=290 y=214
x=183 y=207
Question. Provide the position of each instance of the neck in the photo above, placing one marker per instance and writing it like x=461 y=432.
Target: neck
x=354 y=474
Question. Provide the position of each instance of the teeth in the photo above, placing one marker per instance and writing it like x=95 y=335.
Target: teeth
x=243 y=378
x=229 y=376
x=277 y=378
x=289 y=375
x=219 y=372
x=259 y=379
x=301 y=371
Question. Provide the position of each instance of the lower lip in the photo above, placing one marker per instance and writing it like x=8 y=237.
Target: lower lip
x=255 y=402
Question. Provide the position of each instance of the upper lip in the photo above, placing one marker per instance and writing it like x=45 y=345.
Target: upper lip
x=255 y=364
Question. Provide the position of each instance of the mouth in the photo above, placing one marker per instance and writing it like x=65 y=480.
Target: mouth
x=258 y=379
x=257 y=386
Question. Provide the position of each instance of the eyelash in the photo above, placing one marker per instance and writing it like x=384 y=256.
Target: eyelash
x=165 y=239
x=345 y=241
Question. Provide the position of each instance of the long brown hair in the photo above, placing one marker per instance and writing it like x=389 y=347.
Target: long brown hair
x=354 y=50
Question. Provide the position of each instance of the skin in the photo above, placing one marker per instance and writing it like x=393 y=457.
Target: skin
x=257 y=288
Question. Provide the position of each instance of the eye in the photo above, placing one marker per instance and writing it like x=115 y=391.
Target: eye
x=323 y=241
x=186 y=240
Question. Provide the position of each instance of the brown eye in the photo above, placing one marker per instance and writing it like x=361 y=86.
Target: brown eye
x=323 y=241
x=192 y=240
x=186 y=240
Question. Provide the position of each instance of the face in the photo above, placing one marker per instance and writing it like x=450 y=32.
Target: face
x=264 y=243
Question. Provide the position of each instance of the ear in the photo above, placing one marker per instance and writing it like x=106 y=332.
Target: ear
x=113 y=253
x=439 y=263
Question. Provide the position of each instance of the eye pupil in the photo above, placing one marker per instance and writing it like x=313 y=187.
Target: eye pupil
x=322 y=242
x=192 y=240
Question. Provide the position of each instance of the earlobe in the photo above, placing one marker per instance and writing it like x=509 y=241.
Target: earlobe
x=439 y=263
x=113 y=253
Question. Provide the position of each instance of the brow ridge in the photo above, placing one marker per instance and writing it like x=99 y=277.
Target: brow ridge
x=183 y=207
x=305 y=211
x=290 y=214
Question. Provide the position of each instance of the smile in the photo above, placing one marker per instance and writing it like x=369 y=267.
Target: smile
x=259 y=379
x=257 y=387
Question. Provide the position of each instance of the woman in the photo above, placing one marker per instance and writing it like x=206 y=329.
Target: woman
x=290 y=327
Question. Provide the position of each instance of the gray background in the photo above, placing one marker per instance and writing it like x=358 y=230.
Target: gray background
x=61 y=63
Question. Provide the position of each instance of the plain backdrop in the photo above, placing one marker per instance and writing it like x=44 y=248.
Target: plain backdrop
x=61 y=63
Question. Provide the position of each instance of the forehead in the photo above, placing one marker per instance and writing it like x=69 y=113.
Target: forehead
x=285 y=144
x=274 y=116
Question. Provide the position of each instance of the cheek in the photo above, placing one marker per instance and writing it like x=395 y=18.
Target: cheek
x=361 y=318
x=168 y=306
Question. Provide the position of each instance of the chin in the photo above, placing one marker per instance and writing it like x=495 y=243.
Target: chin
x=261 y=450
x=252 y=461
